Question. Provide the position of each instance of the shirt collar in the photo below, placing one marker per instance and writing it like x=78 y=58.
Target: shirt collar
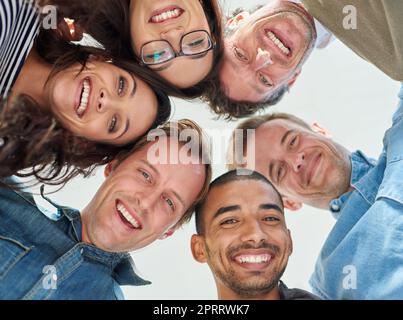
x=360 y=166
x=124 y=269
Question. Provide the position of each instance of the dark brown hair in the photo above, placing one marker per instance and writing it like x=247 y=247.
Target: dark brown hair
x=109 y=23
x=34 y=141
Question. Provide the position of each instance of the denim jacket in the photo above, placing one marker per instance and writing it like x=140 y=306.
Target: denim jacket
x=363 y=255
x=45 y=259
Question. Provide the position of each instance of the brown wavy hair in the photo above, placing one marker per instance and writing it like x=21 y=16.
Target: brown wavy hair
x=34 y=144
x=108 y=21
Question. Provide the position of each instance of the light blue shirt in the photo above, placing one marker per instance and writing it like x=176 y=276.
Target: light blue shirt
x=363 y=255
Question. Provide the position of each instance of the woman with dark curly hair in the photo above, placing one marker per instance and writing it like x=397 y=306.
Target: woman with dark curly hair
x=66 y=109
x=180 y=40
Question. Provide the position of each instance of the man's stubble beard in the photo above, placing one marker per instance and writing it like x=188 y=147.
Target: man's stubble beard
x=242 y=289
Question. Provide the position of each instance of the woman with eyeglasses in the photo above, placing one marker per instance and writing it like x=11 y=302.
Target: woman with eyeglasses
x=64 y=108
x=179 y=40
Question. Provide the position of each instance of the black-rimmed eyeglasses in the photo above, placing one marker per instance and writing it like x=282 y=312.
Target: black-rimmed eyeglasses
x=192 y=44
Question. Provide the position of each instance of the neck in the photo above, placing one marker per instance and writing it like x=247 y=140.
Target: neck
x=32 y=79
x=225 y=293
x=84 y=232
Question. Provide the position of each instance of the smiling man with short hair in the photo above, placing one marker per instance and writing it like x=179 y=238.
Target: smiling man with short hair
x=142 y=200
x=266 y=48
x=362 y=257
x=243 y=236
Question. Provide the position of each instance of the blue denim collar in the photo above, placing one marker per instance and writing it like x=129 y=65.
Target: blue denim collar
x=121 y=264
x=360 y=166
x=360 y=181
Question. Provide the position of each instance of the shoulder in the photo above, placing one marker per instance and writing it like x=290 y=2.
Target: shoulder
x=16 y=13
x=19 y=24
x=295 y=294
x=13 y=190
x=10 y=10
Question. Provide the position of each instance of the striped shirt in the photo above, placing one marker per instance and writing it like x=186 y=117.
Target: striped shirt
x=19 y=25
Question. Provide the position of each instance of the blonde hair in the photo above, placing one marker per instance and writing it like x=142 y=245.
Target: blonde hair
x=239 y=138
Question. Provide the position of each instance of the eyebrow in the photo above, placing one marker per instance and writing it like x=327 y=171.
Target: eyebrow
x=265 y=206
x=200 y=56
x=271 y=166
x=166 y=66
x=224 y=210
x=126 y=129
x=269 y=206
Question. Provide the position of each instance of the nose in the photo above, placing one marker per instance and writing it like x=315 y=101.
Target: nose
x=173 y=36
x=299 y=162
x=253 y=233
x=102 y=101
x=263 y=59
x=146 y=201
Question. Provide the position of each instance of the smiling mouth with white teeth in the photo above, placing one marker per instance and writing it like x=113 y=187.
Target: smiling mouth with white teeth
x=126 y=217
x=278 y=43
x=253 y=259
x=84 y=99
x=170 y=13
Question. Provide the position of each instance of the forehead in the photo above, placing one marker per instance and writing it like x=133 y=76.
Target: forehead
x=104 y=66
x=274 y=130
x=243 y=193
x=268 y=143
x=170 y=159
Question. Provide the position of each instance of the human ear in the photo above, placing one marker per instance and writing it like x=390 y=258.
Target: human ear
x=109 y=168
x=237 y=20
x=291 y=205
x=294 y=78
x=321 y=130
x=291 y=249
x=197 y=246
x=167 y=234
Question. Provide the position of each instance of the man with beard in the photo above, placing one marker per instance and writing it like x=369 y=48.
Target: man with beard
x=363 y=255
x=266 y=49
x=243 y=236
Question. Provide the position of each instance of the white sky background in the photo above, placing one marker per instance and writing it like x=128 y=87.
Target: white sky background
x=350 y=97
